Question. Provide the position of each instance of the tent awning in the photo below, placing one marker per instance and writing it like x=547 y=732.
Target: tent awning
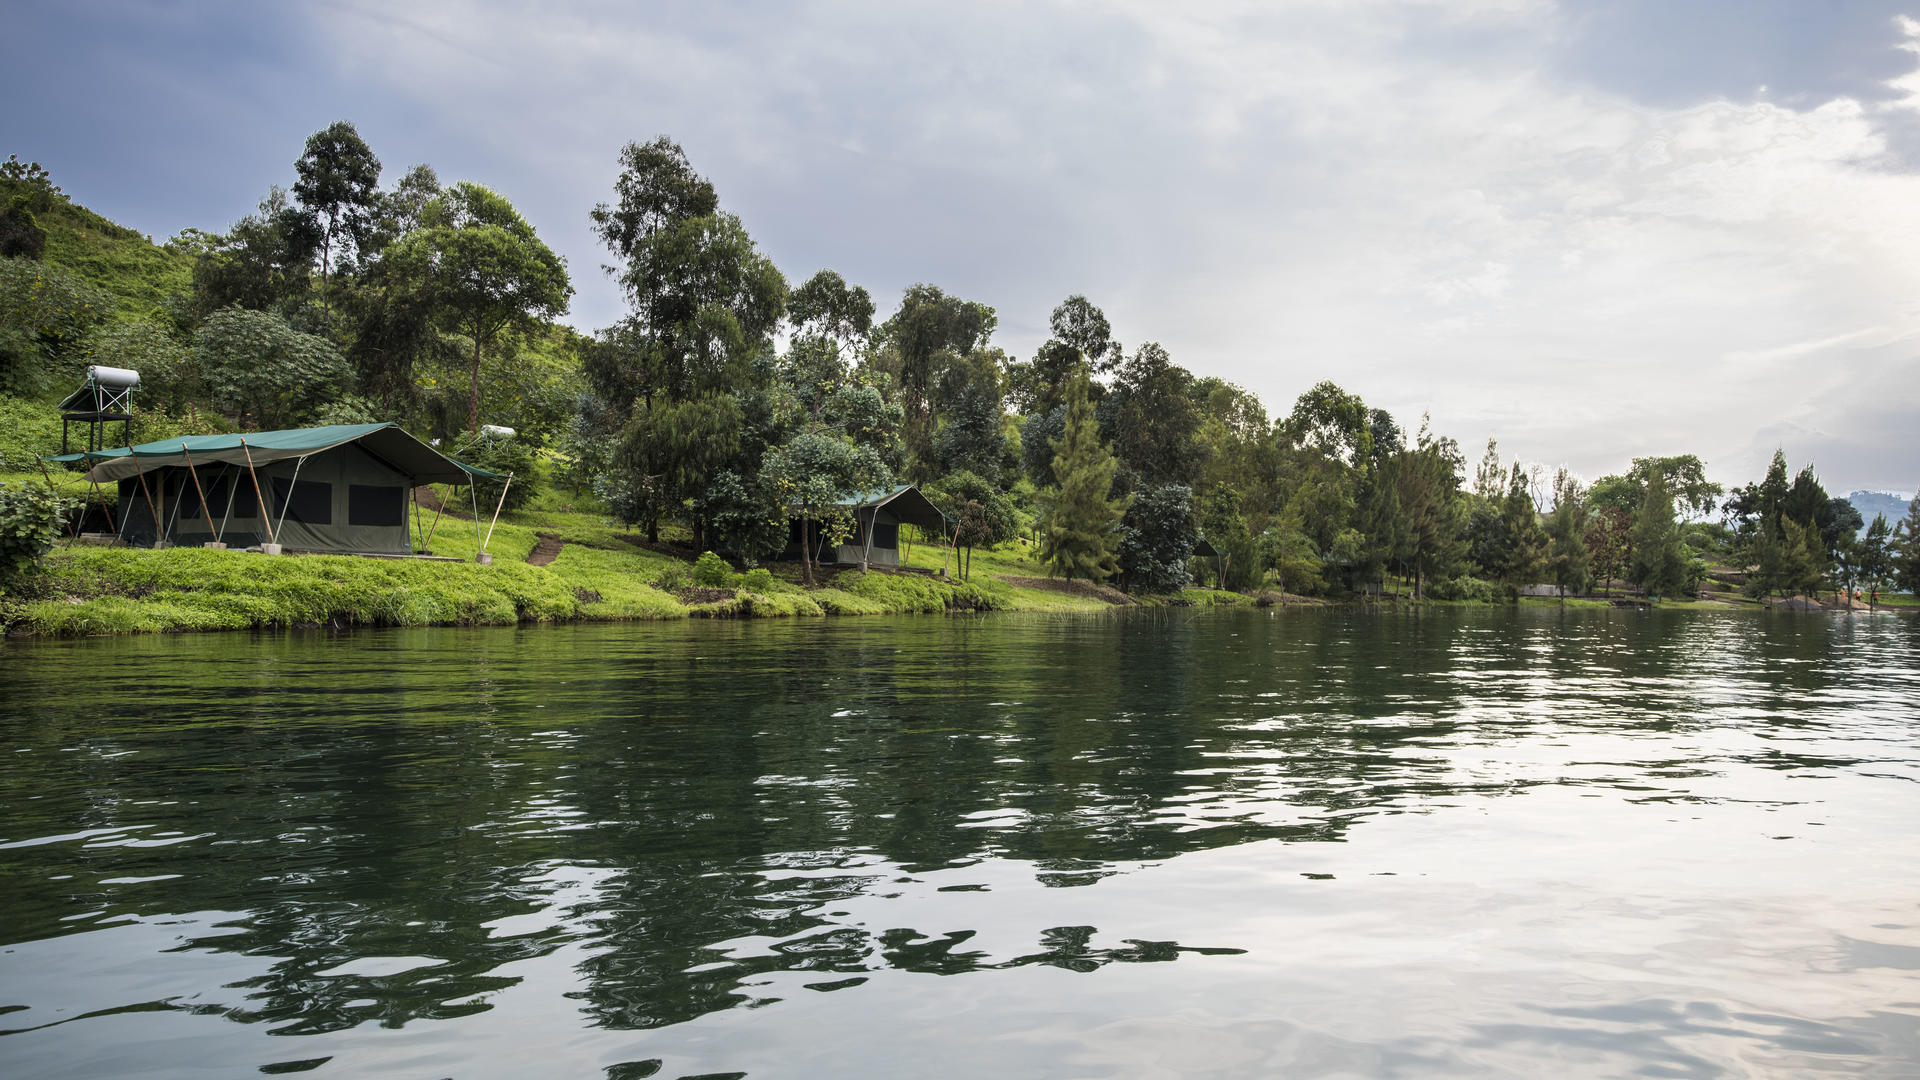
x=387 y=441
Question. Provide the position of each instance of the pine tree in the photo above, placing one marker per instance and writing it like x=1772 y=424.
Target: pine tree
x=1659 y=565
x=1081 y=533
x=1567 y=556
x=1905 y=550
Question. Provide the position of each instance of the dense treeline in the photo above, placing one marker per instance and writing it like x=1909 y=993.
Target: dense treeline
x=728 y=401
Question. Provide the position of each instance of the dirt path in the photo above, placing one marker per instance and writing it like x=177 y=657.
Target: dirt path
x=547 y=550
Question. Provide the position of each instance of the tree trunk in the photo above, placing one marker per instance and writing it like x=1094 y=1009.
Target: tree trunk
x=806 y=549
x=473 y=394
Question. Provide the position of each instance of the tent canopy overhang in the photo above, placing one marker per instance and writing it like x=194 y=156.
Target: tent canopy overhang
x=388 y=442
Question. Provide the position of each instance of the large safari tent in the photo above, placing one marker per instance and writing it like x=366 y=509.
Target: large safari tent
x=344 y=488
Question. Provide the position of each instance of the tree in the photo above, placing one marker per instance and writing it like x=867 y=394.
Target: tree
x=263 y=262
x=1429 y=483
x=1568 y=560
x=1150 y=418
x=828 y=306
x=338 y=184
x=986 y=516
x=931 y=333
x=1905 y=550
x=1159 y=539
x=259 y=369
x=1875 y=559
x=483 y=269
x=1524 y=543
x=1606 y=541
x=1659 y=562
x=811 y=476
x=1082 y=344
x=1080 y=529
x=46 y=312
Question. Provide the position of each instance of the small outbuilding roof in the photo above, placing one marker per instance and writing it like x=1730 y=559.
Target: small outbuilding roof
x=388 y=442
x=1204 y=549
x=904 y=501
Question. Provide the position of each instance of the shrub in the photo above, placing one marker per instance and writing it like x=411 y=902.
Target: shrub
x=517 y=455
x=712 y=571
x=673 y=578
x=30 y=518
x=1466 y=588
x=759 y=580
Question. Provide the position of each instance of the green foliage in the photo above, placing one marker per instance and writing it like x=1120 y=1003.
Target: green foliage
x=984 y=516
x=514 y=454
x=674 y=577
x=712 y=571
x=261 y=370
x=30 y=523
x=1905 y=550
x=478 y=265
x=29 y=431
x=1080 y=532
x=758 y=580
x=1659 y=563
x=1159 y=539
x=46 y=311
x=1469 y=590
x=338 y=187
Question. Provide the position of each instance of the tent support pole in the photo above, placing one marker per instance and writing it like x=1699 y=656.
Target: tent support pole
x=155 y=514
x=292 y=486
x=866 y=549
x=496 y=512
x=266 y=516
x=427 y=547
x=233 y=489
x=202 y=492
x=473 y=496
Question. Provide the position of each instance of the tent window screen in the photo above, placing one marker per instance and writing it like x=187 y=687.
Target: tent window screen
x=368 y=504
x=310 y=502
x=886 y=534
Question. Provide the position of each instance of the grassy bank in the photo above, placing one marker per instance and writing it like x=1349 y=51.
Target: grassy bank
x=600 y=573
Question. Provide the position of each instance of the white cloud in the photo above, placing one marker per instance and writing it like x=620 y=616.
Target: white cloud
x=1399 y=196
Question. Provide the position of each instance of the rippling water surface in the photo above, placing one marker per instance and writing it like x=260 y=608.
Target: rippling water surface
x=1237 y=844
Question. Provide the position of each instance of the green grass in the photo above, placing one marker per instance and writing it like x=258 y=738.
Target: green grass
x=138 y=274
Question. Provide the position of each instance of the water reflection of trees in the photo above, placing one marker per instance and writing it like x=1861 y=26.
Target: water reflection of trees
x=416 y=795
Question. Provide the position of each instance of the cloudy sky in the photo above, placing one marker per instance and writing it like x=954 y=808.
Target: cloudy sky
x=1595 y=231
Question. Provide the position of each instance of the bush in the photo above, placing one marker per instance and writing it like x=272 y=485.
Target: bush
x=517 y=455
x=759 y=580
x=1467 y=588
x=673 y=578
x=30 y=517
x=712 y=571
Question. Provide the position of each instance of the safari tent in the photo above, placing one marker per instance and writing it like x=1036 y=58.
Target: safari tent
x=344 y=488
x=878 y=516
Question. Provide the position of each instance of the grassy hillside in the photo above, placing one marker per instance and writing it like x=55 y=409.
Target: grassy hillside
x=139 y=274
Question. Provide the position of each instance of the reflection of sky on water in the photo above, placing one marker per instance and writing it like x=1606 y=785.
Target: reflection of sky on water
x=1607 y=842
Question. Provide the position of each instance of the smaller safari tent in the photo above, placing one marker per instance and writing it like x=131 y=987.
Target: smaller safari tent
x=345 y=488
x=878 y=516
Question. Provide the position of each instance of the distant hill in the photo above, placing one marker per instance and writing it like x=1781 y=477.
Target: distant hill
x=1870 y=503
x=139 y=274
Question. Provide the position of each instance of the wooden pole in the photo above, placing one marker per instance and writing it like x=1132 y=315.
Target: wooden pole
x=441 y=509
x=259 y=499
x=496 y=512
x=202 y=492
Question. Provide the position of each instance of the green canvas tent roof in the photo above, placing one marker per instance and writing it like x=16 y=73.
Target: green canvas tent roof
x=904 y=501
x=388 y=442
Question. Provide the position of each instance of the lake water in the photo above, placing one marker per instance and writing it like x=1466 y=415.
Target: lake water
x=1473 y=843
